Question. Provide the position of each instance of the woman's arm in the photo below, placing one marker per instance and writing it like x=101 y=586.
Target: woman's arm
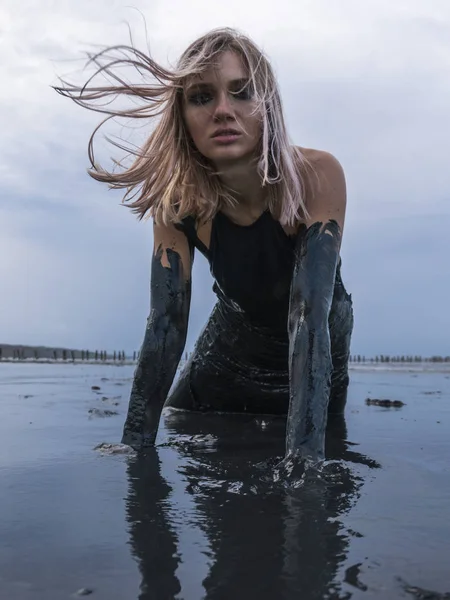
x=317 y=256
x=165 y=335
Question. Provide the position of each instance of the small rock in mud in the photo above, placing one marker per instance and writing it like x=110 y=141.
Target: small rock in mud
x=84 y=592
x=104 y=379
x=354 y=533
x=384 y=403
x=95 y=388
x=119 y=383
x=106 y=448
x=102 y=412
x=105 y=398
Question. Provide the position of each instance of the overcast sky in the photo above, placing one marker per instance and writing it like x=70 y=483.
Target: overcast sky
x=366 y=80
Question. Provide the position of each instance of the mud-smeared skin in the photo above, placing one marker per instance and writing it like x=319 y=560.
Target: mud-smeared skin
x=340 y=323
x=319 y=340
x=242 y=363
x=161 y=350
x=278 y=336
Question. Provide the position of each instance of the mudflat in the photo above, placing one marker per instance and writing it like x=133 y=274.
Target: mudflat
x=206 y=514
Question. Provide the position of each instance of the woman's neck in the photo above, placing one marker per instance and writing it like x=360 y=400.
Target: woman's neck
x=244 y=183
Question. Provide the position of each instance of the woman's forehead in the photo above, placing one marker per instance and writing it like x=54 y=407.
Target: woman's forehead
x=227 y=67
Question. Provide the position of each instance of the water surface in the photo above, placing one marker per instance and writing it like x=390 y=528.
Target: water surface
x=201 y=516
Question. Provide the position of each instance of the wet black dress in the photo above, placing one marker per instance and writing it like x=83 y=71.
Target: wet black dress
x=240 y=361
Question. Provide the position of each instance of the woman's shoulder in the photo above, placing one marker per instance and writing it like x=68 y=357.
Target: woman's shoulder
x=326 y=195
x=321 y=160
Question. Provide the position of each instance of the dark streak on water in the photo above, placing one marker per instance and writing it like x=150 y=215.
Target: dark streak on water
x=201 y=516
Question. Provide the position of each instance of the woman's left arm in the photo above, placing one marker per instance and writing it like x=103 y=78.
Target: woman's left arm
x=316 y=260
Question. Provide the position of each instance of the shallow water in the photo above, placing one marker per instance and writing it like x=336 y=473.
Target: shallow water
x=202 y=515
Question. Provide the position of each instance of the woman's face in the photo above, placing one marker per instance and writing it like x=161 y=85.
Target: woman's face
x=218 y=112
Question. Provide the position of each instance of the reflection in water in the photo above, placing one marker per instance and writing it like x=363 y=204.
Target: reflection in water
x=265 y=539
x=152 y=538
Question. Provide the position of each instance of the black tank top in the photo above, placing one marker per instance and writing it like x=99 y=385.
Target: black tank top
x=251 y=265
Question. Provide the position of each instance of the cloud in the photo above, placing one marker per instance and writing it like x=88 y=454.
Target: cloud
x=366 y=81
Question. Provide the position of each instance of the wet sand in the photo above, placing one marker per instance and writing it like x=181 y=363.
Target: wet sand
x=203 y=516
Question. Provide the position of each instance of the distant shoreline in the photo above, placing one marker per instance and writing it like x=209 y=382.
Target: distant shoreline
x=414 y=367
x=58 y=355
x=69 y=361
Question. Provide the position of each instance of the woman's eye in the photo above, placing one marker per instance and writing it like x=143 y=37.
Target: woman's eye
x=245 y=94
x=200 y=98
x=242 y=95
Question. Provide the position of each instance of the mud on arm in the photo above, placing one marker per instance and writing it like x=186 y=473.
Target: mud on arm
x=310 y=364
x=165 y=335
x=312 y=289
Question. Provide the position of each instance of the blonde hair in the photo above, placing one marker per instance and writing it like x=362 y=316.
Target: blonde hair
x=170 y=178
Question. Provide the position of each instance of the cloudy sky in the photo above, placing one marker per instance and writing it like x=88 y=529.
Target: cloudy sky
x=367 y=80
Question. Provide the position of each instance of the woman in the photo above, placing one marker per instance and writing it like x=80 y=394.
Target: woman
x=219 y=175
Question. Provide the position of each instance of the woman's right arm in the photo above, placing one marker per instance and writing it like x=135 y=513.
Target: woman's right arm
x=165 y=335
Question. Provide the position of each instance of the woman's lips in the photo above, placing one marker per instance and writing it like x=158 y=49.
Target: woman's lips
x=226 y=138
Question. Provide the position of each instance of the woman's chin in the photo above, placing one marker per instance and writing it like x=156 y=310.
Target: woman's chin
x=229 y=154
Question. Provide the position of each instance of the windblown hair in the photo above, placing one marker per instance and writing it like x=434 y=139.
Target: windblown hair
x=169 y=176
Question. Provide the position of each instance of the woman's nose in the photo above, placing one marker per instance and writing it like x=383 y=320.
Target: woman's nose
x=223 y=108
